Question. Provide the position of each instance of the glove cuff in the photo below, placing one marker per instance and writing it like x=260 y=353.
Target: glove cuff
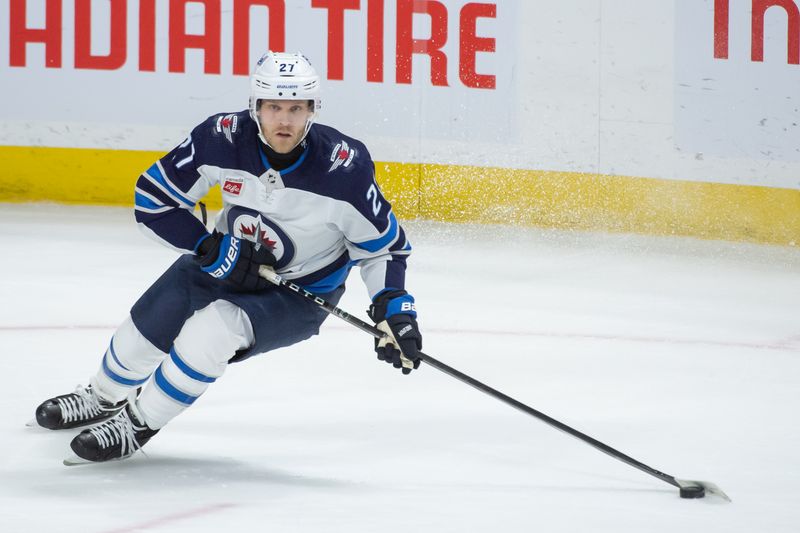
x=221 y=266
x=205 y=244
x=392 y=302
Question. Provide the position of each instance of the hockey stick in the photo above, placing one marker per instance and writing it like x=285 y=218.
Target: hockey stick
x=688 y=488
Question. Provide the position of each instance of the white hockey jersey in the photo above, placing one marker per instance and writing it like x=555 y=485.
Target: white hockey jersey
x=320 y=217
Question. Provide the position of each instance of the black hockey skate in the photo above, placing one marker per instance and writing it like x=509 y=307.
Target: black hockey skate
x=80 y=408
x=116 y=438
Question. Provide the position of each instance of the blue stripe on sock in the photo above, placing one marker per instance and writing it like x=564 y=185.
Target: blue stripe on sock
x=189 y=371
x=172 y=391
x=114 y=355
x=119 y=379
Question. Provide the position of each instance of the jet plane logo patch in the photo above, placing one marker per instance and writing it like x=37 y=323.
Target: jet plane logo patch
x=342 y=155
x=228 y=125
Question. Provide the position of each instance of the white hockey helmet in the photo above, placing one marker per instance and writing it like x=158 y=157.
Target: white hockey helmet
x=284 y=76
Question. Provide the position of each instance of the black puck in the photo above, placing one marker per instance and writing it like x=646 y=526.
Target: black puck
x=692 y=492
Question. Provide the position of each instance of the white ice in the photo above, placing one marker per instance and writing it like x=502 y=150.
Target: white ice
x=684 y=354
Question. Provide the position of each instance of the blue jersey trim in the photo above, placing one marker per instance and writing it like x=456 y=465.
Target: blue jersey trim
x=296 y=163
x=171 y=390
x=286 y=170
x=331 y=281
x=263 y=158
x=381 y=242
x=155 y=173
x=186 y=369
x=119 y=379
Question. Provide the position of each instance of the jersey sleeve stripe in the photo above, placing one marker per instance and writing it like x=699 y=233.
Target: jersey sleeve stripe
x=381 y=242
x=153 y=194
x=157 y=176
x=153 y=211
x=144 y=200
x=148 y=203
x=401 y=245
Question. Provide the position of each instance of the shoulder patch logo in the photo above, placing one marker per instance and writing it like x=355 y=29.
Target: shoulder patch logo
x=342 y=155
x=233 y=186
x=227 y=125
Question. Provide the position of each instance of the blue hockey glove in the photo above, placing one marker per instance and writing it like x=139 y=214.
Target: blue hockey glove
x=234 y=261
x=394 y=314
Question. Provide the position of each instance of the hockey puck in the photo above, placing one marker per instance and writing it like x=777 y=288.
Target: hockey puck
x=691 y=492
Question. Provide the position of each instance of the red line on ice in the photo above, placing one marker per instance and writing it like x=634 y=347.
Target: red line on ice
x=786 y=344
x=157 y=522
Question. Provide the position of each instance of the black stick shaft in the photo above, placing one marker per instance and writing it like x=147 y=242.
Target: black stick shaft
x=472 y=382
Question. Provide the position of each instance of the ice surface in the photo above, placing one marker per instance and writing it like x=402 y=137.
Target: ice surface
x=683 y=354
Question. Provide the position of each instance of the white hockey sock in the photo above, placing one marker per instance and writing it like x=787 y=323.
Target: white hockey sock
x=200 y=355
x=129 y=360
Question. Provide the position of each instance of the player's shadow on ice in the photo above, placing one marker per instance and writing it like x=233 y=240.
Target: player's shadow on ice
x=163 y=473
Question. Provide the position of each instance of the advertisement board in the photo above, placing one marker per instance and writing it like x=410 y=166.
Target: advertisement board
x=138 y=74
x=738 y=88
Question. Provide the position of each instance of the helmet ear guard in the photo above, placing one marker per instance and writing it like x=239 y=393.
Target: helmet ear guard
x=284 y=76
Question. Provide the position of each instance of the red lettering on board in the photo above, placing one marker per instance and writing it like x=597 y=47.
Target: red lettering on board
x=206 y=36
x=407 y=45
x=470 y=44
x=375 y=40
x=118 y=29
x=21 y=35
x=758 y=13
x=241 y=32
x=336 y=9
x=793 y=38
x=147 y=35
x=179 y=40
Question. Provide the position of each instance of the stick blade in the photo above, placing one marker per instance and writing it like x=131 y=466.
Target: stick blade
x=710 y=488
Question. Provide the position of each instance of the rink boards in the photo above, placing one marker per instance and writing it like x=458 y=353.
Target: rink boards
x=649 y=116
x=461 y=194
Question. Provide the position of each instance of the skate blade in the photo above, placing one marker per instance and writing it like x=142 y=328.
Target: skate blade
x=32 y=423
x=74 y=460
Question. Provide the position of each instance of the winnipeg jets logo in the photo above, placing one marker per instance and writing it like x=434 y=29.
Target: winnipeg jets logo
x=228 y=125
x=255 y=233
x=250 y=225
x=342 y=155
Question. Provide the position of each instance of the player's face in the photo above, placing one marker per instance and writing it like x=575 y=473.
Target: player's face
x=283 y=122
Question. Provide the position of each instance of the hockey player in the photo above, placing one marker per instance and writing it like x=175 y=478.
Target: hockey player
x=299 y=197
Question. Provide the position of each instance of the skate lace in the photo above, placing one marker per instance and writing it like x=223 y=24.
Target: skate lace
x=118 y=430
x=80 y=405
